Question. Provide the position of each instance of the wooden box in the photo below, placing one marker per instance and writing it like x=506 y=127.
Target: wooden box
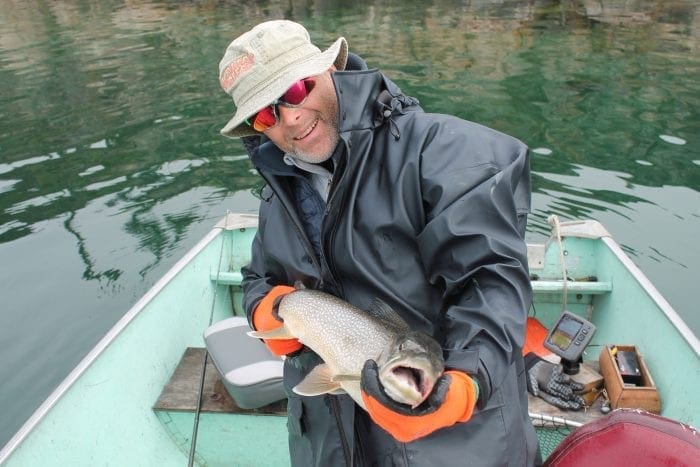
x=591 y=380
x=641 y=396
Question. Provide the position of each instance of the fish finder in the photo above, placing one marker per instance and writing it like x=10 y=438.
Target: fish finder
x=568 y=338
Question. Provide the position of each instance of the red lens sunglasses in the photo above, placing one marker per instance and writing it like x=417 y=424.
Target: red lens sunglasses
x=269 y=116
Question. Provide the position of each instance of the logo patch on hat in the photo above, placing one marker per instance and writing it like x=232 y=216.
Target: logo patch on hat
x=234 y=69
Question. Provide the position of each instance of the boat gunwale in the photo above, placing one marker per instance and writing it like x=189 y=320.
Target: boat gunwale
x=231 y=221
x=654 y=294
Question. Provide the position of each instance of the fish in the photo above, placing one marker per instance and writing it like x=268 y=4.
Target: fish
x=409 y=362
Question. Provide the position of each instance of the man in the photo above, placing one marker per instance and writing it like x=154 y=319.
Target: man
x=370 y=197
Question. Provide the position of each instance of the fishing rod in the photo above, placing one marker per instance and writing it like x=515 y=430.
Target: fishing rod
x=200 y=395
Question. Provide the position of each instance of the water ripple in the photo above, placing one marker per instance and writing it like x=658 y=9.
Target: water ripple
x=9 y=167
x=37 y=201
x=8 y=185
x=105 y=184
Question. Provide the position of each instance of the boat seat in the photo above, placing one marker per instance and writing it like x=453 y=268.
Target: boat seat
x=251 y=374
x=628 y=437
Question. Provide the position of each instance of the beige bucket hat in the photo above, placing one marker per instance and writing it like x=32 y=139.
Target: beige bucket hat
x=261 y=64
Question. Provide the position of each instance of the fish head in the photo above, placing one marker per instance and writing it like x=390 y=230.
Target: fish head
x=409 y=367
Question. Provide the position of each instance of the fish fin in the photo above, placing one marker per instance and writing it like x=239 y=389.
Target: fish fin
x=342 y=378
x=279 y=333
x=318 y=382
x=379 y=309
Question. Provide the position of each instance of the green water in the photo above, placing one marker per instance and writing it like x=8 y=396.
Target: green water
x=111 y=165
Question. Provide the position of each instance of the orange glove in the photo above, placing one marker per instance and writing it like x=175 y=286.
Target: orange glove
x=452 y=400
x=535 y=334
x=265 y=319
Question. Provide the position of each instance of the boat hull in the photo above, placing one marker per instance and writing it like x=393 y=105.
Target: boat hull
x=102 y=413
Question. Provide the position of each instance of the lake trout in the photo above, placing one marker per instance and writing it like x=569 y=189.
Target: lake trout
x=344 y=336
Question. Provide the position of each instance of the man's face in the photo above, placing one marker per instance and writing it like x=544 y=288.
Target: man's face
x=309 y=132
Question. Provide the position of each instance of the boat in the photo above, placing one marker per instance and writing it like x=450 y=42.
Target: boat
x=106 y=411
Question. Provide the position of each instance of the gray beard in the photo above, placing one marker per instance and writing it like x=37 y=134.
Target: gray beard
x=317 y=158
x=312 y=158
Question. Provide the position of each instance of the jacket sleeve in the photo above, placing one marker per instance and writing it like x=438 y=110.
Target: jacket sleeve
x=476 y=192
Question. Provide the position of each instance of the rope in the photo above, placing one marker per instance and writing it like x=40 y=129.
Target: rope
x=553 y=220
x=198 y=409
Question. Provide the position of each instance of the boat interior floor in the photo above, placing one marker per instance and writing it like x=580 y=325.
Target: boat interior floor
x=538 y=406
x=181 y=393
x=593 y=410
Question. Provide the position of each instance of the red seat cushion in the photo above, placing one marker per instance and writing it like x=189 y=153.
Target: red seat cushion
x=629 y=438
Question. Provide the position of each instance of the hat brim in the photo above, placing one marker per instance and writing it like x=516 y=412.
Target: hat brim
x=336 y=54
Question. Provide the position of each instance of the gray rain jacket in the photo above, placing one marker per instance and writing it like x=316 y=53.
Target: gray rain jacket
x=426 y=212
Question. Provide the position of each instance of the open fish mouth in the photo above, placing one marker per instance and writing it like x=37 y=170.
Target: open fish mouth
x=408 y=385
x=414 y=377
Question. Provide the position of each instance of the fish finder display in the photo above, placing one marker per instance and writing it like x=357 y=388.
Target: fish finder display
x=569 y=336
x=565 y=332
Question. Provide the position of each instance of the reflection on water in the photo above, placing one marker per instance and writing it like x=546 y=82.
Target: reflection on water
x=111 y=165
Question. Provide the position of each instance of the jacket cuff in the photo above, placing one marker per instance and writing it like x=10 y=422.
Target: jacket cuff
x=530 y=359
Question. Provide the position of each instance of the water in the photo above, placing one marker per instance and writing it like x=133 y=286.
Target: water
x=111 y=165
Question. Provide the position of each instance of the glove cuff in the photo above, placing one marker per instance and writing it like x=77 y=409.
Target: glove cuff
x=531 y=359
x=263 y=315
x=466 y=390
x=265 y=319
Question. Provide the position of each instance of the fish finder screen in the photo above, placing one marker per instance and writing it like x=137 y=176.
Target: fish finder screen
x=566 y=330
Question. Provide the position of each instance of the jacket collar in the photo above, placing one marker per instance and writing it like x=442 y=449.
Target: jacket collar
x=367 y=99
x=357 y=92
x=269 y=158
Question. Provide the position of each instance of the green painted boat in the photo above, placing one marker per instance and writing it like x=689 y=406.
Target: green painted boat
x=107 y=411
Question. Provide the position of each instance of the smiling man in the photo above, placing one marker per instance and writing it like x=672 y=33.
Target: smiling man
x=309 y=132
x=370 y=197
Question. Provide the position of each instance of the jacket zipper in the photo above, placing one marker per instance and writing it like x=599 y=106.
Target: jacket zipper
x=334 y=404
x=335 y=181
x=298 y=228
x=335 y=408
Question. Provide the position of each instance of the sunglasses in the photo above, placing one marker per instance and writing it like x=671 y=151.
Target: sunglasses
x=269 y=116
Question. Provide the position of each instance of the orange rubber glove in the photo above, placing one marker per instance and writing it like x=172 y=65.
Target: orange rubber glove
x=535 y=334
x=265 y=319
x=452 y=400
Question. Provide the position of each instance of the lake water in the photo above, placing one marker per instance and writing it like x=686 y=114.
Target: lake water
x=111 y=165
